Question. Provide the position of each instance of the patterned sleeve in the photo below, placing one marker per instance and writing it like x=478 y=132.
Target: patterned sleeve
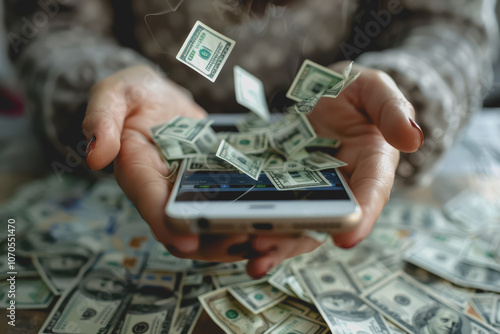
x=440 y=53
x=60 y=48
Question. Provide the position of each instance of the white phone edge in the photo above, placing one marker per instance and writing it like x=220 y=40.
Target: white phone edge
x=330 y=216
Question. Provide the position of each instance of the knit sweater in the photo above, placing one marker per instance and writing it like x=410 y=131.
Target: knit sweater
x=439 y=52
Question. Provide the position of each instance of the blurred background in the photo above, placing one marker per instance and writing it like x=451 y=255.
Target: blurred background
x=21 y=153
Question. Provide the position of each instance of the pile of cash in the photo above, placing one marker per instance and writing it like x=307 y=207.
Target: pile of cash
x=84 y=253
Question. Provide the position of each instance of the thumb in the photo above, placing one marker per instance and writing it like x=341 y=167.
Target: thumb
x=103 y=124
x=393 y=114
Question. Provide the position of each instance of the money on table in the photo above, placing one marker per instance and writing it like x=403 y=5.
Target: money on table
x=384 y=285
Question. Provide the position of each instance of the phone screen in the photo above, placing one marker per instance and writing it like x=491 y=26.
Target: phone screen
x=233 y=185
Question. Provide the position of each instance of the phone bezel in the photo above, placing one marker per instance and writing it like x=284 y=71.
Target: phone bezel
x=331 y=216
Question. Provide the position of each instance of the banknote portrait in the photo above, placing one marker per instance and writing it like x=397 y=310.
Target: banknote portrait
x=438 y=319
x=104 y=285
x=345 y=305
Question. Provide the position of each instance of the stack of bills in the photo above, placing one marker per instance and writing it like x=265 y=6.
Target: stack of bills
x=84 y=254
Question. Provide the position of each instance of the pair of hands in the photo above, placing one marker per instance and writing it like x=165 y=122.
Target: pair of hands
x=371 y=117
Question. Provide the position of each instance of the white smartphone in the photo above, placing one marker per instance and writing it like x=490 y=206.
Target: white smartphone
x=231 y=202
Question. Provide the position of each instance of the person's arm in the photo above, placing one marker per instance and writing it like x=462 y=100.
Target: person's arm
x=440 y=53
x=60 y=49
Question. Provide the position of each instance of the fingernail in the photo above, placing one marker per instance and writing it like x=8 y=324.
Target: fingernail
x=90 y=146
x=348 y=246
x=416 y=126
x=239 y=248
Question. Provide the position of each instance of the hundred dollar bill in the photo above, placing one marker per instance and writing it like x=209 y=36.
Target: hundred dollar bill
x=293 y=166
x=59 y=270
x=331 y=275
x=222 y=281
x=174 y=150
x=207 y=141
x=470 y=211
x=336 y=89
x=389 y=240
x=252 y=166
x=444 y=261
x=29 y=293
x=190 y=307
x=312 y=79
x=481 y=253
x=297 y=180
x=335 y=294
x=299 y=155
x=457 y=296
x=306 y=106
x=298 y=324
x=320 y=161
x=274 y=162
x=404 y=213
x=284 y=278
x=153 y=305
x=184 y=129
x=320 y=142
x=339 y=87
x=205 y=51
x=160 y=259
x=257 y=296
x=234 y=318
x=291 y=134
x=394 y=329
x=248 y=143
x=331 y=89
x=93 y=305
x=483 y=304
x=495 y=314
x=208 y=268
x=253 y=123
x=415 y=309
x=207 y=162
x=369 y=272
x=250 y=93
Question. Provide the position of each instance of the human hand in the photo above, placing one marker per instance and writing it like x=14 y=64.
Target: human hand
x=120 y=112
x=374 y=121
